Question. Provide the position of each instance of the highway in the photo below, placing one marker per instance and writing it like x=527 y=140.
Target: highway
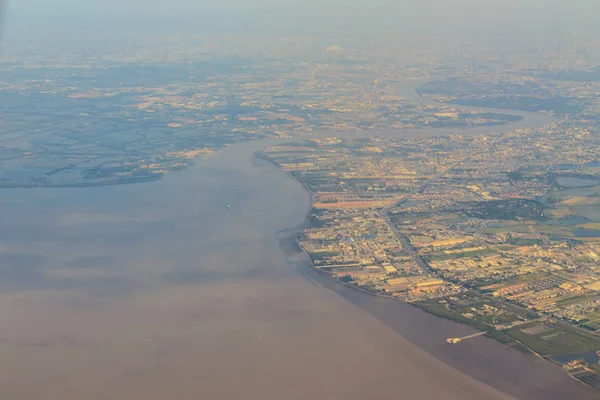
x=402 y=237
x=406 y=246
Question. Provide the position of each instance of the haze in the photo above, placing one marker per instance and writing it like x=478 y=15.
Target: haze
x=35 y=19
x=146 y=253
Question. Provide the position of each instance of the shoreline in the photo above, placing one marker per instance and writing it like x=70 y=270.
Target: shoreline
x=299 y=258
x=294 y=247
x=420 y=329
x=406 y=87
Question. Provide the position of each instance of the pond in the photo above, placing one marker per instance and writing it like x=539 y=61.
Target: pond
x=569 y=181
x=586 y=233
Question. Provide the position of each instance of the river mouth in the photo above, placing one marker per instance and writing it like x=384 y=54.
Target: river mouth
x=179 y=287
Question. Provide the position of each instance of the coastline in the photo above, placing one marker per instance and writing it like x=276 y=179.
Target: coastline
x=213 y=290
x=444 y=352
x=406 y=90
x=237 y=293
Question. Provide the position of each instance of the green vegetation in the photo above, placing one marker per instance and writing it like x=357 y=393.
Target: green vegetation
x=508 y=229
x=554 y=339
x=591 y=325
x=525 y=242
x=576 y=299
x=508 y=209
x=441 y=310
x=440 y=255
x=542 y=337
x=517 y=279
x=321 y=255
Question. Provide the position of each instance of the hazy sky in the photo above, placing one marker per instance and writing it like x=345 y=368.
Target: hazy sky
x=314 y=17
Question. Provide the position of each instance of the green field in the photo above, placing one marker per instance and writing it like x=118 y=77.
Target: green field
x=510 y=228
x=555 y=230
x=518 y=279
x=555 y=339
x=321 y=255
x=576 y=299
x=440 y=255
x=545 y=338
x=594 y=321
x=435 y=308
x=592 y=325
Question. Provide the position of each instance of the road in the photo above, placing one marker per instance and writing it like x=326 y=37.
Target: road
x=407 y=247
x=402 y=237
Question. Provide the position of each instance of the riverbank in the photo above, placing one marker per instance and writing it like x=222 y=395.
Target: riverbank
x=158 y=290
x=505 y=368
x=441 y=350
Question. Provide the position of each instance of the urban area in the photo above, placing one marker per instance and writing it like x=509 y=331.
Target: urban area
x=427 y=185
x=498 y=230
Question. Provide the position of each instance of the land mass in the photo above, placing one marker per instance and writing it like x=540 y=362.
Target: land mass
x=482 y=229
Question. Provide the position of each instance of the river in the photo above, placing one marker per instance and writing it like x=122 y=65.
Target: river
x=158 y=290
